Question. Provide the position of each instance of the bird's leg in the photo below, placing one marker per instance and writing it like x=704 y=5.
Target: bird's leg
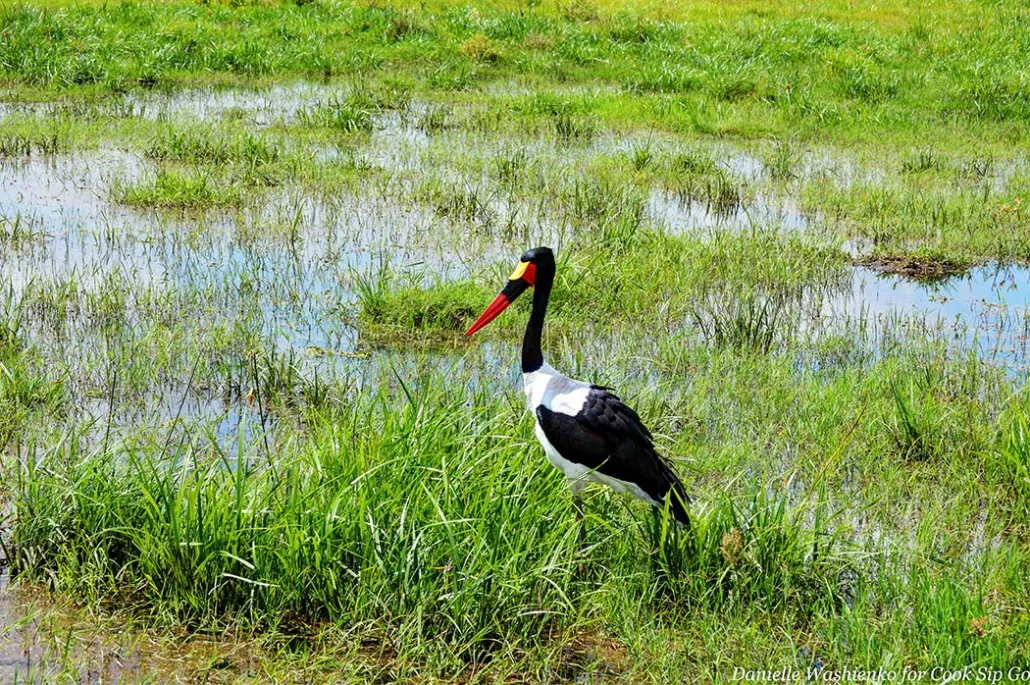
x=577 y=503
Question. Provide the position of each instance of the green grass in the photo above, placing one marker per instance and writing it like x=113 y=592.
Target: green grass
x=256 y=412
x=24 y=389
x=745 y=71
x=404 y=499
x=171 y=189
x=315 y=534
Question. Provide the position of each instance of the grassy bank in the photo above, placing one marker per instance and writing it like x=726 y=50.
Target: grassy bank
x=902 y=74
x=410 y=518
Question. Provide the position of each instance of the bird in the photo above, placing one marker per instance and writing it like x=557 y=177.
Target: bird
x=586 y=430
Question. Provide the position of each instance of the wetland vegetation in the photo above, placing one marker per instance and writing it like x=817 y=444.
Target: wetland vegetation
x=243 y=439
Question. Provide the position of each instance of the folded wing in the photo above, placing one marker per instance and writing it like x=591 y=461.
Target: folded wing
x=608 y=437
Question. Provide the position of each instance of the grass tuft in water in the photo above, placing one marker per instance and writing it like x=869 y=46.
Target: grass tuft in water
x=919 y=428
x=748 y=322
x=692 y=161
x=24 y=145
x=200 y=146
x=389 y=310
x=173 y=189
x=351 y=113
x=923 y=161
x=570 y=128
x=783 y=162
x=21 y=231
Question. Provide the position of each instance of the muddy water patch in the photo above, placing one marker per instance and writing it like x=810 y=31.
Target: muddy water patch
x=256 y=106
x=985 y=310
x=45 y=639
x=64 y=200
x=680 y=214
x=66 y=188
x=38 y=644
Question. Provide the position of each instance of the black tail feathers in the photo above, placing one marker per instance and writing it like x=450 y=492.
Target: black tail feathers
x=678 y=501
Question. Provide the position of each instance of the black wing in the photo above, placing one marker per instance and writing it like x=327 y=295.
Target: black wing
x=608 y=437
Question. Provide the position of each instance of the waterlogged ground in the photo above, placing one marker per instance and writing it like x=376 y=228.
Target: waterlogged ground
x=287 y=260
x=46 y=641
x=236 y=396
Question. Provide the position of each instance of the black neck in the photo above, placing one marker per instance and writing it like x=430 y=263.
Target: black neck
x=532 y=355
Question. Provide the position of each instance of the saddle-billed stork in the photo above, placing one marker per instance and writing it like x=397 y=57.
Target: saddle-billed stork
x=585 y=429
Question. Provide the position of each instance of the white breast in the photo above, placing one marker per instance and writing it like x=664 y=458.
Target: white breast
x=557 y=392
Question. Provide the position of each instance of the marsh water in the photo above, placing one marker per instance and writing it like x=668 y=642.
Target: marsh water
x=286 y=265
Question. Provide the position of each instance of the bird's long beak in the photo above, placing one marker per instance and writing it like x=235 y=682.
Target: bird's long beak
x=518 y=283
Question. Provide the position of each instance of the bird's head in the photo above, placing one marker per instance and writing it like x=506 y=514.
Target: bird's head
x=533 y=262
